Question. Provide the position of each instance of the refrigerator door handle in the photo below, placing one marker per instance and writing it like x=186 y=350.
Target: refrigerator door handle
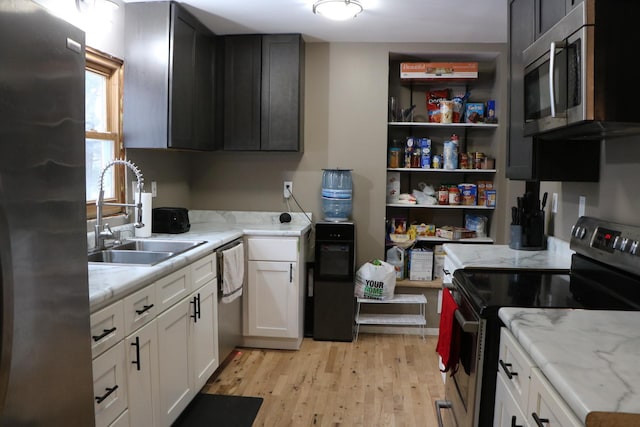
x=6 y=305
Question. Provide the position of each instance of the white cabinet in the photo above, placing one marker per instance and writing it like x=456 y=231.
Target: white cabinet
x=143 y=375
x=109 y=385
x=188 y=343
x=524 y=396
x=274 y=301
x=156 y=348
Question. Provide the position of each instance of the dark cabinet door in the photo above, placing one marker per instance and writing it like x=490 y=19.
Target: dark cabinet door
x=243 y=70
x=548 y=13
x=263 y=92
x=281 y=92
x=169 y=78
x=521 y=35
x=182 y=80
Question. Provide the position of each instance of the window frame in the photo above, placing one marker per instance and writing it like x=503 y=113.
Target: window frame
x=113 y=69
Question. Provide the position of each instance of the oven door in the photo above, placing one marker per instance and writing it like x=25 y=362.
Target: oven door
x=556 y=77
x=462 y=387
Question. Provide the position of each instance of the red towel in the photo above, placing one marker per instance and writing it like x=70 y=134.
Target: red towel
x=449 y=335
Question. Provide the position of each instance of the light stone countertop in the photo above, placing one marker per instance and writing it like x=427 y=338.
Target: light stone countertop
x=557 y=256
x=110 y=282
x=589 y=356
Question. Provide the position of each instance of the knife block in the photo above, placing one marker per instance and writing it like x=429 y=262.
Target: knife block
x=530 y=235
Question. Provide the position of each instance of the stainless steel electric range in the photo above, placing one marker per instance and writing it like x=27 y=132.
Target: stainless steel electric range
x=604 y=274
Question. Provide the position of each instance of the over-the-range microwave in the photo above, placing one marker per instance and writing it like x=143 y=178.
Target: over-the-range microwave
x=579 y=82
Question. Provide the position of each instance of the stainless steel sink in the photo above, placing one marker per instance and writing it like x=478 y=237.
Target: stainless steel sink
x=143 y=252
x=156 y=245
x=114 y=256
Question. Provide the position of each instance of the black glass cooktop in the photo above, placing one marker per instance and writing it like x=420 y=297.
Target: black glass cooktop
x=586 y=286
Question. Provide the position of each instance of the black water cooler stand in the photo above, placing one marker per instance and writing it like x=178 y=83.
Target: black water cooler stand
x=333 y=281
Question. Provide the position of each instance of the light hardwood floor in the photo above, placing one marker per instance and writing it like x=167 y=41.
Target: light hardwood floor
x=381 y=380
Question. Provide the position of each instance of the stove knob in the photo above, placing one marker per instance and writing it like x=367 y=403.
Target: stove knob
x=616 y=243
x=623 y=244
x=578 y=232
x=583 y=232
x=634 y=247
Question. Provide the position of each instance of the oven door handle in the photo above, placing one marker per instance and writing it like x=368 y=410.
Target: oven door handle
x=469 y=326
x=440 y=405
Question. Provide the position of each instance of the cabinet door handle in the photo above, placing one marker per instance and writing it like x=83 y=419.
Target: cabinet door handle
x=144 y=309
x=194 y=316
x=290 y=273
x=137 y=346
x=104 y=333
x=505 y=367
x=198 y=299
x=513 y=422
x=539 y=421
x=445 y=271
x=101 y=399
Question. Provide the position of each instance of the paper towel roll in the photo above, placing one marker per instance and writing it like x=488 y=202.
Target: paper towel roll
x=146 y=216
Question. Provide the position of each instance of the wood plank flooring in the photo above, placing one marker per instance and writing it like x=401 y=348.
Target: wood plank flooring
x=382 y=380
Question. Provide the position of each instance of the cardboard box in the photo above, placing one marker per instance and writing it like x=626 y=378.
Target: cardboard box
x=454 y=233
x=420 y=264
x=474 y=112
x=438 y=71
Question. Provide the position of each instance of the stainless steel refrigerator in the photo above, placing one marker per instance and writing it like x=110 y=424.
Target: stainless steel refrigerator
x=45 y=354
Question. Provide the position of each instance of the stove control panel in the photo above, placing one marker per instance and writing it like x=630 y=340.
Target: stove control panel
x=608 y=242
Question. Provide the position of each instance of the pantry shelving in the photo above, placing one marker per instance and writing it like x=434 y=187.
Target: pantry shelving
x=478 y=137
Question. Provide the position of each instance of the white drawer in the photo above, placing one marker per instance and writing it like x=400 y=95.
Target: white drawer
x=140 y=308
x=203 y=271
x=506 y=407
x=107 y=328
x=109 y=385
x=273 y=249
x=546 y=403
x=172 y=288
x=515 y=362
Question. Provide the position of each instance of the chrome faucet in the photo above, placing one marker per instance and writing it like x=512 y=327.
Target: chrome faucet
x=103 y=233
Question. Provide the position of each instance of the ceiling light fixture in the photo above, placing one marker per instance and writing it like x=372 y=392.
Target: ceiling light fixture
x=338 y=10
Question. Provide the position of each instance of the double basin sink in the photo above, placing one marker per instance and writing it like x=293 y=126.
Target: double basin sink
x=142 y=251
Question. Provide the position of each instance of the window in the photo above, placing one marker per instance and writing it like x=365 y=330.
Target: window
x=103 y=127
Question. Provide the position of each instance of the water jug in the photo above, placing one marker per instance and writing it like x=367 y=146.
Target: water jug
x=336 y=194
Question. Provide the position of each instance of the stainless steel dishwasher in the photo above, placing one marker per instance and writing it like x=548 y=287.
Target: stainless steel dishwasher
x=229 y=314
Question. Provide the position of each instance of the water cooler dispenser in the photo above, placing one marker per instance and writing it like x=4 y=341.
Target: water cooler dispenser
x=334 y=281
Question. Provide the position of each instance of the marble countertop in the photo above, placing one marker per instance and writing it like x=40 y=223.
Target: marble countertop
x=557 y=256
x=110 y=282
x=589 y=356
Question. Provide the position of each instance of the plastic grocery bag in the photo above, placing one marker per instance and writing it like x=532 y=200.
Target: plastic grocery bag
x=375 y=280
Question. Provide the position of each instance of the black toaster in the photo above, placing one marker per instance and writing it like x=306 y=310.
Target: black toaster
x=170 y=220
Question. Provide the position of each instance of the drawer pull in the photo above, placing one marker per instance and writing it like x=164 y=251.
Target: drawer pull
x=104 y=333
x=505 y=367
x=447 y=272
x=513 y=422
x=144 y=309
x=539 y=421
x=100 y=399
x=137 y=346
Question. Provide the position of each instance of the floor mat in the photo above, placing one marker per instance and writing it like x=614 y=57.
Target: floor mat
x=217 y=410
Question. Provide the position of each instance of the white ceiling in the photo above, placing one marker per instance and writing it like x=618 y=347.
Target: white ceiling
x=424 y=21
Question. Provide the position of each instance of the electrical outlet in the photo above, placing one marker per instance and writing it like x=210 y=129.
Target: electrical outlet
x=581 y=205
x=554 y=203
x=154 y=189
x=287 y=189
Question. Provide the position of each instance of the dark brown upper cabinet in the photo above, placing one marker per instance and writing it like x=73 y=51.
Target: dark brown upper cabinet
x=169 y=90
x=263 y=92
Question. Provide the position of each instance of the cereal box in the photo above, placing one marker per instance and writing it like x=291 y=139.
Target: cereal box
x=438 y=71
